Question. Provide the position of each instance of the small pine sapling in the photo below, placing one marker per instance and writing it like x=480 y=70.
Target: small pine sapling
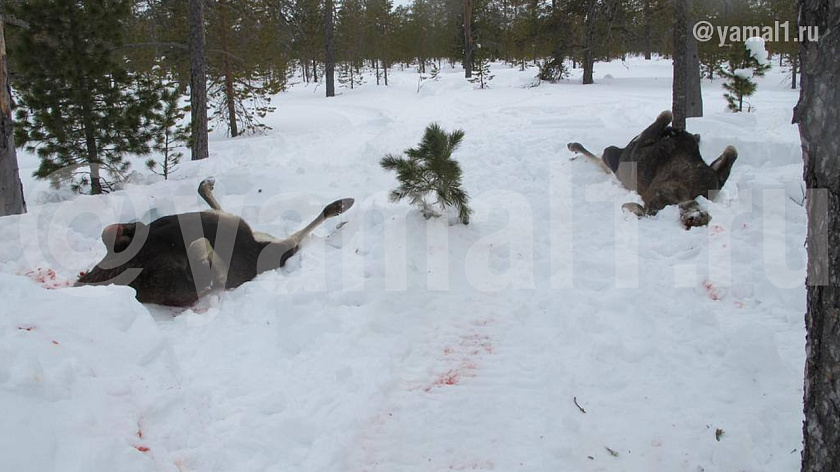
x=432 y=76
x=429 y=172
x=742 y=69
x=168 y=134
x=483 y=76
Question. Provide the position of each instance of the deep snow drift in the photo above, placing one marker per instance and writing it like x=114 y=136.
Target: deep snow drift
x=397 y=344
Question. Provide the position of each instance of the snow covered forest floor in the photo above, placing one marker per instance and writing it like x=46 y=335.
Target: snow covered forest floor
x=400 y=344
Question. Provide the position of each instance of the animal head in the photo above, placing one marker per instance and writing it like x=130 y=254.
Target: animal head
x=152 y=262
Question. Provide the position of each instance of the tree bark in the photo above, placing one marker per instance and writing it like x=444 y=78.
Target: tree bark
x=329 y=62
x=679 y=92
x=468 y=40
x=794 y=70
x=589 y=43
x=11 y=189
x=230 y=93
x=694 y=95
x=647 y=28
x=818 y=115
x=198 y=82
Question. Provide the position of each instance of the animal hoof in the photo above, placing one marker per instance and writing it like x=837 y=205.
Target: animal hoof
x=730 y=153
x=338 y=207
x=634 y=208
x=666 y=116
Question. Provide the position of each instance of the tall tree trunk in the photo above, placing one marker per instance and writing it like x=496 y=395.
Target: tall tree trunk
x=468 y=40
x=589 y=43
x=376 y=65
x=794 y=70
x=198 y=82
x=385 y=71
x=91 y=146
x=694 y=95
x=647 y=28
x=11 y=189
x=230 y=93
x=818 y=114
x=329 y=62
x=314 y=70
x=679 y=93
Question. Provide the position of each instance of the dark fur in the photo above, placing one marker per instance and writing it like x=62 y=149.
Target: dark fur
x=664 y=166
x=155 y=260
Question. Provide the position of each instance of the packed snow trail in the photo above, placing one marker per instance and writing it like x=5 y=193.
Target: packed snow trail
x=400 y=344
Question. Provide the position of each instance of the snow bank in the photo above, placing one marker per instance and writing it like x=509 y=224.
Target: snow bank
x=77 y=375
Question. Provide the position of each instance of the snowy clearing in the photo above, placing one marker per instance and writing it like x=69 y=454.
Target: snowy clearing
x=397 y=344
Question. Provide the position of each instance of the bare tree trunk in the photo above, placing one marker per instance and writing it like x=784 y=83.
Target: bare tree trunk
x=646 y=16
x=11 y=189
x=468 y=40
x=385 y=71
x=198 y=82
x=794 y=70
x=329 y=62
x=314 y=70
x=694 y=95
x=230 y=93
x=679 y=93
x=818 y=114
x=589 y=43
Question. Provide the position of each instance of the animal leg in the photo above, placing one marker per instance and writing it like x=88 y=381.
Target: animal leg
x=723 y=164
x=205 y=189
x=579 y=149
x=207 y=267
x=692 y=214
x=333 y=209
x=653 y=132
x=277 y=251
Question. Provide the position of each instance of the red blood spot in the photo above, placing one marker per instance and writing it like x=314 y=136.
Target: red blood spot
x=450 y=378
x=142 y=448
x=82 y=273
x=55 y=342
x=139 y=432
x=711 y=290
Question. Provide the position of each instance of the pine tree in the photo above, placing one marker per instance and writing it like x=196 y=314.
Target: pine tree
x=739 y=84
x=482 y=74
x=168 y=134
x=78 y=105
x=429 y=172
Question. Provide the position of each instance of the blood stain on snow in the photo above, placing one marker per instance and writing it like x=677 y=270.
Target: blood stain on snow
x=142 y=448
x=711 y=290
x=48 y=278
x=55 y=342
x=26 y=328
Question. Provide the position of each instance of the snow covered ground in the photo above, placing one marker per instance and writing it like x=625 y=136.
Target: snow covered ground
x=397 y=344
